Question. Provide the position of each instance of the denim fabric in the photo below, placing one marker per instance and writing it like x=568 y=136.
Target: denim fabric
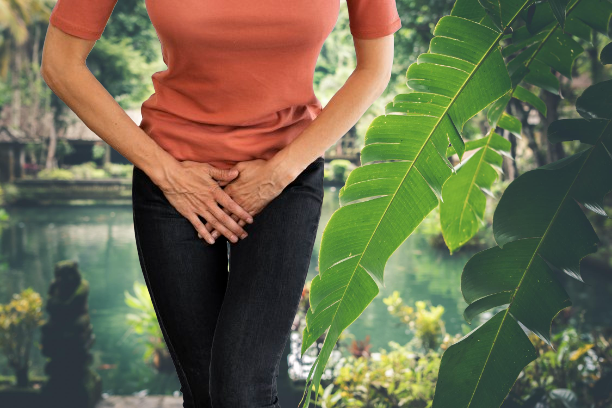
x=226 y=309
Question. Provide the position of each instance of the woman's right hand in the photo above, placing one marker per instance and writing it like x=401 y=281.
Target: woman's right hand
x=194 y=189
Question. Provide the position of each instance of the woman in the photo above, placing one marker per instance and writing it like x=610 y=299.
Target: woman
x=227 y=164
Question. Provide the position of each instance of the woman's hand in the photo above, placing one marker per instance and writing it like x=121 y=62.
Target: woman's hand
x=253 y=189
x=195 y=190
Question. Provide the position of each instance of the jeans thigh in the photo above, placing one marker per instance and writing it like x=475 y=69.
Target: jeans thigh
x=186 y=278
x=267 y=274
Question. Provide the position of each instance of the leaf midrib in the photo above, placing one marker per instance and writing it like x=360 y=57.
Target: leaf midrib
x=446 y=110
x=535 y=252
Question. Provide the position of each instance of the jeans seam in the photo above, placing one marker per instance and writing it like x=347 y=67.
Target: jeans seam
x=287 y=335
x=161 y=325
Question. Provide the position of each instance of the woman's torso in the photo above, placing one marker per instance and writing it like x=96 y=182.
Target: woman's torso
x=240 y=75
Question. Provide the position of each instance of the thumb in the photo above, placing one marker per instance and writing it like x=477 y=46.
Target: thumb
x=223 y=174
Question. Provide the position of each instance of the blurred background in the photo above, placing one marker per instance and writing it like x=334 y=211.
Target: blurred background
x=71 y=287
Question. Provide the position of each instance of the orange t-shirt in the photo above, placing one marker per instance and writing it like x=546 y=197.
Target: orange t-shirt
x=239 y=82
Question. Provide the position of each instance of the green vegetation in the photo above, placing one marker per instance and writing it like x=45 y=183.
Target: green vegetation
x=502 y=141
x=19 y=320
x=88 y=171
x=143 y=322
x=477 y=58
x=577 y=373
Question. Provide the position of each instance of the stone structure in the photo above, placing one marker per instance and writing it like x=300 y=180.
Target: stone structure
x=66 y=339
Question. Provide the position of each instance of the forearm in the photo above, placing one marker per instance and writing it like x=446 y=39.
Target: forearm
x=340 y=114
x=91 y=102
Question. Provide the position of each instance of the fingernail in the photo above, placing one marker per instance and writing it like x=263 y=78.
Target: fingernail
x=215 y=235
x=234 y=238
x=250 y=220
x=211 y=241
x=243 y=236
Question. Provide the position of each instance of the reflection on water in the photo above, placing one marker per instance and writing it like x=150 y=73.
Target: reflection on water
x=102 y=240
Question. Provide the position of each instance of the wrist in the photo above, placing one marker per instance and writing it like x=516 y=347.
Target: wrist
x=282 y=170
x=160 y=172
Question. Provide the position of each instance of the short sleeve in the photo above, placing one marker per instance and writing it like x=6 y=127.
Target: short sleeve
x=82 y=18
x=373 y=18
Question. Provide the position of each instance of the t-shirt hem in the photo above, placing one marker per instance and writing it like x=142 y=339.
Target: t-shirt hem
x=73 y=29
x=378 y=32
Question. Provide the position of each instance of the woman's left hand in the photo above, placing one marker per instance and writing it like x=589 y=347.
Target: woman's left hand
x=253 y=189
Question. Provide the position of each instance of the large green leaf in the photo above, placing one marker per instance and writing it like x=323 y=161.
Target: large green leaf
x=464 y=201
x=538 y=225
x=594 y=14
x=404 y=166
x=458 y=387
x=559 y=8
x=462 y=213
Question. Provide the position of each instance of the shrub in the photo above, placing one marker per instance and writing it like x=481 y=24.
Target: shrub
x=55 y=174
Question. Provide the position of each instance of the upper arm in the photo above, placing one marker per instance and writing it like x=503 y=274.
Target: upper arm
x=369 y=19
x=373 y=20
x=74 y=27
x=85 y=19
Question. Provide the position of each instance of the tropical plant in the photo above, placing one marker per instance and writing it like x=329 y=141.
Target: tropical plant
x=578 y=373
x=533 y=50
x=405 y=166
x=426 y=323
x=398 y=377
x=537 y=225
x=19 y=319
x=341 y=168
x=144 y=322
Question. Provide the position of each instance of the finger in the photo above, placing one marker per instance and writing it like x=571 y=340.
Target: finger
x=222 y=174
x=227 y=202
x=215 y=223
x=227 y=222
x=199 y=226
x=240 y=221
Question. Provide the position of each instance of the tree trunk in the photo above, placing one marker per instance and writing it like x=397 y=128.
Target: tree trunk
x=52 y=144
x=21 y=375
x=553 y=153
x=16 y=98
x=596 y=66
x=509 y=165
x=34 y=84
x=528 y=132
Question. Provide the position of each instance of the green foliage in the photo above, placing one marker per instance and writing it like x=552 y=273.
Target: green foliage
x=18 y=321
x=127 y=54
x=533 y=50
x=404 y=167
x=395 y=378
x=426 y=323
x=98 y=151
x=88 y=171
x=340 y=169
x=538 y=224
x=118 y=170
x=580 y=371
x=402 y=376
x=143 y=319
x=55 y=174
x=462 y=212
x=64 y=148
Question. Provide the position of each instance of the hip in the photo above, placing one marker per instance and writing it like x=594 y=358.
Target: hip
x=146 y=195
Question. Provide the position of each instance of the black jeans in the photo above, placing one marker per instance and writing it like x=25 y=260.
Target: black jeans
x=226 y=330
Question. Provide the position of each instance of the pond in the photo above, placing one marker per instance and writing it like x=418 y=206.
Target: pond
x=101 y=239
